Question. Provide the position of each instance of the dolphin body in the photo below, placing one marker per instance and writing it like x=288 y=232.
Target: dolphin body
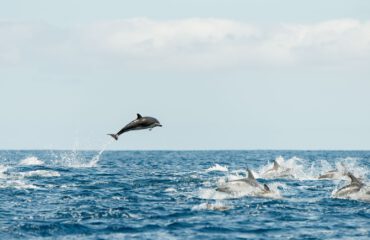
x=138 y=124
x=354 y=187
x=274 y=168
x=250 y=181
x=333 y=174
x=278 y=171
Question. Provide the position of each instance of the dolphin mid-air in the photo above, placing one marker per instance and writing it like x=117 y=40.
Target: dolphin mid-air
x=138 y=124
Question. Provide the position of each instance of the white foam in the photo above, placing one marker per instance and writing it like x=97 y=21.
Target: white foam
x=217 y=167
x=17 y=184
x=170 y=190
x=73 y=159
x=3 y=169
x=41 y=173
x=30 y=161
x=342 y=167
x=217 y=206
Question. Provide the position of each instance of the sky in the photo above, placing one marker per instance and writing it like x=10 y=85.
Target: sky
x=227 y=74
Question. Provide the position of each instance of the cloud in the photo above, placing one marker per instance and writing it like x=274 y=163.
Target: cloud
x=187 y=44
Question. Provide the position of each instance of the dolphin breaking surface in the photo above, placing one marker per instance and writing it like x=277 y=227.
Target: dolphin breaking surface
x=175 y=194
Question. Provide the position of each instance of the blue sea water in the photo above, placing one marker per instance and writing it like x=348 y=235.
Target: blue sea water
x=171 y=195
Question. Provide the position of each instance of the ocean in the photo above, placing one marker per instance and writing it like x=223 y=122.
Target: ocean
x=176 y=195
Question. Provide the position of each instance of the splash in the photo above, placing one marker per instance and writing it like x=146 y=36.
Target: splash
x=76 y=159
x=342 y=166
x=217 y=167
x=94 y=161
x=292 y=168
x=31 y=161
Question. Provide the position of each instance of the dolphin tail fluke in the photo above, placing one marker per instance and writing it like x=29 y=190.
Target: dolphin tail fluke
x=115 y=136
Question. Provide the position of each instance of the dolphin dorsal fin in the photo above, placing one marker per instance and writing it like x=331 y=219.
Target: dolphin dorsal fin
x=353 y=179
x=250 y=175
x=138 y=116
x=276 y=165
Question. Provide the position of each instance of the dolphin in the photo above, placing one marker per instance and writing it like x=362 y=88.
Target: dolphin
x=250 y=180
x=274 y=168
x=138 y=124
x=333 y=174
x=353 y=187
x=278 y=171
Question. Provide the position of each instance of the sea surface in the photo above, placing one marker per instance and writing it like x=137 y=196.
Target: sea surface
x=173 y=195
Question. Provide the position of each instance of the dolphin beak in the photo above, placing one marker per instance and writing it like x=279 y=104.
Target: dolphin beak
x=160 y=125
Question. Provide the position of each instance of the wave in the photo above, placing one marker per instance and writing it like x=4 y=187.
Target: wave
x=217 y=167
x=17 y=184
x=31 y=161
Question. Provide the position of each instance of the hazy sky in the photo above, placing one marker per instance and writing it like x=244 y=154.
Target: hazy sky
x=229 y=74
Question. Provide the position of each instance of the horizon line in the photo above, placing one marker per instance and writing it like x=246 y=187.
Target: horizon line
x=184 y=150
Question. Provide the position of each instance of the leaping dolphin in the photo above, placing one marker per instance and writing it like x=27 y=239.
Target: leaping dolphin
x=274 y=168
x=250 y=180
x=278 y=171
x=335 y=173
x=353 y=187
x=138 y=124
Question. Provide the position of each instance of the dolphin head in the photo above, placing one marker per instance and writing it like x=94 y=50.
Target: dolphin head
x=157 y=124
x=154 y=122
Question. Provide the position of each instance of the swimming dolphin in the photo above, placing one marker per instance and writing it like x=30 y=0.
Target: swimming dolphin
x=274 y=168
x=334 y=174
x=138 y=124
x=250 y=180
x=278 y=171
x=353 y=187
